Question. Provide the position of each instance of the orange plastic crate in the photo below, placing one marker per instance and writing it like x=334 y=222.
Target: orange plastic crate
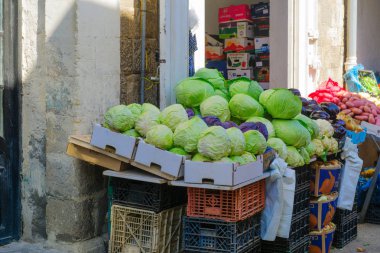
x=226 y=205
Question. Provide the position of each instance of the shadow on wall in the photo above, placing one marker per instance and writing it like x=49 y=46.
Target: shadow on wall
x=70 y=75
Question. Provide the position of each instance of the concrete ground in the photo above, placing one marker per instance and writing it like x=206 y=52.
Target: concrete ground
x=23 y=247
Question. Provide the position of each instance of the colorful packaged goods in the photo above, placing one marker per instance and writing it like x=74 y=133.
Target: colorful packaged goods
x=324 y=177
x=260 y=10
x=236 y=30
x=238 y=44
x=261 y=45
x=234 y=13
x=261 y=74
x=236 y=73
x=322 y=210
x=240 y=60
x=321 y=241
x=261 y=27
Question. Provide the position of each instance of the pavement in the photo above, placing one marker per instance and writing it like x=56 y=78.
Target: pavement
x=24 y=247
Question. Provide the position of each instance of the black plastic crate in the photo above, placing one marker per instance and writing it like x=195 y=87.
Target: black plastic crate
x=301 y=201
x=345 y=233
x=343 y=216
x=208 y=235
x=302 y=246
x=303 y=175
x=373 y=214
x=147 y=196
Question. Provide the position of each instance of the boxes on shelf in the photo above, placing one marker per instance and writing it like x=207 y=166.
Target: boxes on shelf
x=262 y=60
x=145 y=195
x=240 y=60
x=260 y=10
x=261 y=27
x=234 y=13
x=236 y=29
x=138 y=230
x=261 y=74
x=225 y=205
x=235 y=73
x=261 y=45
x=212 y=40
x=221 y=66
x=210 y=235
x=214 y=53
x=238 y=44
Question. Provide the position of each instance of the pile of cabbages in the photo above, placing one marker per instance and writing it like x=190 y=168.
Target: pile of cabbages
x=229 y=121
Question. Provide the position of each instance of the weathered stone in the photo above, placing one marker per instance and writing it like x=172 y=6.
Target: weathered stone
x=130 y=89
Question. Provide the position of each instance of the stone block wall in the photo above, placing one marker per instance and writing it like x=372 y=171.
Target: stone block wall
x=130 y=51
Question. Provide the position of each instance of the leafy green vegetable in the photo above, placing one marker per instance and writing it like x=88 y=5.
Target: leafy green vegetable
x=200 y=158
x=291 y=132
x=213 y=76
x=173 y=115
x=132 y=132
x=187 y=134
x=214 y=143
x=192 y=91
x=305 y=155
x=226 y=160
x=178 y=151
x=243 y=107
x=238 y=159
x=279 y=146
x=146 y=107
x=135 y=109
x=244 y=85
x=216 y=106
x=255 y=142
x=281 y=103
x=237 y=141
x=311 y=149
x=146 y=120
x=266 y=122
x=119 y=118
x=223 y=93
x=294 y=158
x=310 y=125
x=248 y=157
x=160 y=136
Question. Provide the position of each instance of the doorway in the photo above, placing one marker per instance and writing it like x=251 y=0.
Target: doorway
x=9 y=124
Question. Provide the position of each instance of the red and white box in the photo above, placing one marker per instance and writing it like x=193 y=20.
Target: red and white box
x=238 y=44
x=234 y=13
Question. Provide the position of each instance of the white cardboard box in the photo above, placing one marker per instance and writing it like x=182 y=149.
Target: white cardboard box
x=238 y=42
x=212 y=42
x=240 y=60
x=159 y=161
x=214 y=52
x=235 y=73
x=262 y=45
x=244 y=30
x=103 y=137
x=219 y=173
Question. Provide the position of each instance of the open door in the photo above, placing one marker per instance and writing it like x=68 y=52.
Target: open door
x=9 y=118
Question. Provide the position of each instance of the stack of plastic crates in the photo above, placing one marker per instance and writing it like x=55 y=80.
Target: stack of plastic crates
x=145 y=217
x=224 y=221
x=298 y=241
x=346 y=227
x=373 y=214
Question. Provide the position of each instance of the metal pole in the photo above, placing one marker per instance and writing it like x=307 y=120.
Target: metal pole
x=143 y=44
x=352 y=25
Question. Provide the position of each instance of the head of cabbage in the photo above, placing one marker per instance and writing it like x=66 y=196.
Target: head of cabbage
x=187 y=134
x=244 y=107
x=305 y=155
x=173 y=115
x=281 y=103
x=132 y=132
x=310 y=125
x=213 y=76
x=200 y=158
x=223 y=93
x=294 y=158
x=135 y=109
x=244 y=85
x=192 y=91
x=214 y=143
x=255 y=142
x=147 y=107
x=278 y=145
x=178 y=151
x=216 y=106
x=160 y=136
x=145 y=121
x=237 y=141
x=119 y=118
x=292 y=132
x=248 y=157
x=266 y=122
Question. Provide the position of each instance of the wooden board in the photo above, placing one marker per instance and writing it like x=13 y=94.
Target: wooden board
x=79 y=147
x=154 y=169
x=136 y=174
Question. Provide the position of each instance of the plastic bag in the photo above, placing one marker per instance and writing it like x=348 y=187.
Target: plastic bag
x=352 y=79
x=289 y=185
x=349 y=175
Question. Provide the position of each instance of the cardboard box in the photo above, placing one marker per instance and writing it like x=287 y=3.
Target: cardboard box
x=260 y=10
x=219 y=173
x=240 y=60
x=211 y=40
x=122 y=144
x=262 y=45
x=238 y=44
x=235 y=73
x=157 y=161
x=236 y=30
x=234 y=13
x=261 y=74
x=261 y=27
x=221 y=66
x=214 y=53
x=262 y=60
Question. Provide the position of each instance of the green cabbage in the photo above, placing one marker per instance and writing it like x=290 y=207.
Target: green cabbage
x=192 y=91
x=255 y=142
x=319 y=149
x=146 y=107
x=132 y=132
x=237 y=140
x=178 y=151
x=244 y=85
x=310 y=125
x=214 y=143
x=119 y=118
x=187 y=134
x=223 y=93
x=173 y=115
x=305 y=155
x=200 y=158
x=135 y=109
x=294 y=158
x=248 y=157
x=160 y=136
x=213 y=76
x=291 y=132
x=279 y=146
x=146 y=120
x=243 y=107
x=226 y=160
x=238 y=159
x=266 y=122
x=311 y=149
x=216 y=106
x=281 y=103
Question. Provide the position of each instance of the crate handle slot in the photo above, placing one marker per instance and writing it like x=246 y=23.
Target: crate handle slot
x=207 y=229
x=110 y=149
x=207 y=181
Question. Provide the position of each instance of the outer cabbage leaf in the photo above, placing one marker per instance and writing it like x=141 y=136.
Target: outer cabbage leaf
x=178 y=151
x=145 y=121
x=244 y=85
x=214 y=143
x=279 y=146
x=244 y=107
x=216 y=106
x=187 y=134
x=294 y=158
x=266 y=122
x=292 y=132
x=305 y=155
x=255 y=142
x=310 y=125
x=132 y=132
x=160 y=136
x=200 y=158
x=237 y=141
x=147 y=107
x=173 y=115
x=213 y=76
x=119 y=118
x=192 y=91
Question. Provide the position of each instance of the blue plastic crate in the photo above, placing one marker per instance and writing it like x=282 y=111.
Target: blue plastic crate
x=357 y=138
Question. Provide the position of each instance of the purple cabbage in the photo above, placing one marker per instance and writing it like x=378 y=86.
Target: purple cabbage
x=228 y=124
x=190 y=113
x=212 y=121
x=246 y=126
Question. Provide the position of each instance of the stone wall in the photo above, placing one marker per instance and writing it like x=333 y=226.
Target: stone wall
x=70 y=68
x=331 y=39
x=130 y=46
